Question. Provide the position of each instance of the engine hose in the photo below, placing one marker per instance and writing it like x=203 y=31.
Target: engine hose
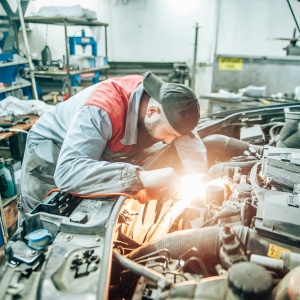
x=140 y=270
x=272 y=130
x=222 y=147
x=253 y=176
x=220 y=169
x=206 y=240
x=221 y=215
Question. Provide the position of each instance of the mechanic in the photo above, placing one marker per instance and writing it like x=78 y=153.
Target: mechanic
x=76 y=146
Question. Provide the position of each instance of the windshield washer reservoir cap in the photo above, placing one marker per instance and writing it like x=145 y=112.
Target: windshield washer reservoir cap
x=39 y=239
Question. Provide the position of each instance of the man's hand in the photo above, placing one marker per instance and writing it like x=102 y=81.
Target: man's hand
x=165 y=180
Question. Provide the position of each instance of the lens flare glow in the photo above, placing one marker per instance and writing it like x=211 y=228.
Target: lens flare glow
x=193 y=186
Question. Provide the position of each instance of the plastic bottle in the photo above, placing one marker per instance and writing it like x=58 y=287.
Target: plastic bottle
x=7 y=187
x=15 y=170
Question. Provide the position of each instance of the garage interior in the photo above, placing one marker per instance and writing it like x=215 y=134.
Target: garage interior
x=241 y=59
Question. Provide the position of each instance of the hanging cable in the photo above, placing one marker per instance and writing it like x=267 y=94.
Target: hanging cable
x=12 y=130
x=141 y=196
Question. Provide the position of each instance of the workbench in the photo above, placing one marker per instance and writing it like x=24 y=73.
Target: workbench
x=27 y=126
x=216 y=105
x=17 y=140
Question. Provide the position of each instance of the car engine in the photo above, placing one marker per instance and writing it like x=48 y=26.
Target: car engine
x=232 y=232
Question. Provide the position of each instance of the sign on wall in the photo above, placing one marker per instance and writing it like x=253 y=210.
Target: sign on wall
x=230 y=64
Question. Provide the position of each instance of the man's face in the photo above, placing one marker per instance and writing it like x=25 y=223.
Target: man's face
x=160 y=129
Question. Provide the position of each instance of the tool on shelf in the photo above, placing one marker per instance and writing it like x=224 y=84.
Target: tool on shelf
x=46 y=53
x=11 y=120
x=85 y=62
x=83 y=41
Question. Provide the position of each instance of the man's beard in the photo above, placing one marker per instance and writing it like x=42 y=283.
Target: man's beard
x=145 y=138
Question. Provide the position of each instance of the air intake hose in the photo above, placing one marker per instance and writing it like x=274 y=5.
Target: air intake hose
x=222 y=147
x=223 y=168
x=206 y=240
x=289 y=136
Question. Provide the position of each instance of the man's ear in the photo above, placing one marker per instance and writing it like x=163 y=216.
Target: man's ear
x=153 y=109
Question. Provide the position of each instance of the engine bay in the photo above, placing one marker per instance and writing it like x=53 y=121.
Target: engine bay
x=230 y=233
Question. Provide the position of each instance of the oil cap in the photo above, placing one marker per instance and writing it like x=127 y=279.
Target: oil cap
x=214 y=193
x=250 y=281
x=39 y=239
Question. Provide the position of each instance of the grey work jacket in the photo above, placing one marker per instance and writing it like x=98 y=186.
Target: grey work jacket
x=66 y=148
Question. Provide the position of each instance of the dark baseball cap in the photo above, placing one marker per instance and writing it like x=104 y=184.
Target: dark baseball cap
x=178 y=101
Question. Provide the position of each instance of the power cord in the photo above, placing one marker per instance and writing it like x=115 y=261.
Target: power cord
x=12 y=130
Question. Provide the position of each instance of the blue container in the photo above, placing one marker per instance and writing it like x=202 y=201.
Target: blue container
x=7 y=56
x=8 y=74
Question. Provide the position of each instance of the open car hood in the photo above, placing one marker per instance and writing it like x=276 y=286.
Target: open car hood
x=234 y=235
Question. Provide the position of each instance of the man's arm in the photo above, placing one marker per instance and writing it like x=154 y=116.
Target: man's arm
x=192 y=153
x=80 y=168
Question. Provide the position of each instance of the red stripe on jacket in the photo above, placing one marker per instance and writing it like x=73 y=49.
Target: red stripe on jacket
x=113 y=96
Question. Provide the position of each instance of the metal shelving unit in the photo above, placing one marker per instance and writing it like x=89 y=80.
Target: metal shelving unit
x=72 y=73
x=11 y=29
x=67 y=21
x=20 y=82
x=16 y=61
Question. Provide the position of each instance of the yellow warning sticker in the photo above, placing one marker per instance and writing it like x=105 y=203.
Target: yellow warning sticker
x=275 y=251
x=230 y=64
